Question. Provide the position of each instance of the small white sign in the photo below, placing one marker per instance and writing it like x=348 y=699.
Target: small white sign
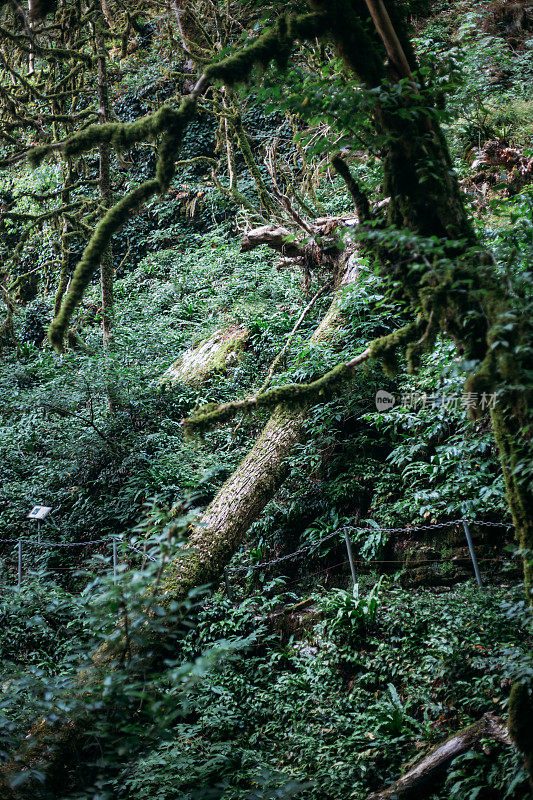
x=39 y=512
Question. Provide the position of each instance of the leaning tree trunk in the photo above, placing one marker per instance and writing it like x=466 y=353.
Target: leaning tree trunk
x=242 y=498
x=423 y=777
x=237 y=505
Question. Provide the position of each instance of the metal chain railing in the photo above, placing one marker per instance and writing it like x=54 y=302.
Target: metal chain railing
x=413 y=529
x=114 y=541
x=344 y=530
x=306 y=549
x=288 y=557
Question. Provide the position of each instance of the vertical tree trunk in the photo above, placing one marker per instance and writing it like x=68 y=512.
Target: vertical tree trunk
x=104 y=184
x=466 y=302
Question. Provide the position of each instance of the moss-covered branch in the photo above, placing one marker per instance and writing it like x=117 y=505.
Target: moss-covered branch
x=170 y=124
x=384 y=349
x=275 y=44
x=293 y=393
x=100 y=239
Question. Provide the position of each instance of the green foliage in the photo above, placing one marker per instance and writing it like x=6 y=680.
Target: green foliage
x=335 y=713
x=350 y=615
x=246 y=699
x=37 y=624
x=142 y=691
x=475 y=776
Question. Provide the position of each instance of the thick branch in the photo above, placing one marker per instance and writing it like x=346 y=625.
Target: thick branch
x=275 y=236
x=293 y=393
x=383 y=348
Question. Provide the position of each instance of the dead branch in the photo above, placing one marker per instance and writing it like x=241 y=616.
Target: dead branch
x=424 y=773
x=275 y=236
x=291 y=336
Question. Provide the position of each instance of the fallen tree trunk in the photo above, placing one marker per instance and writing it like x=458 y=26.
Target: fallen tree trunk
x=241 y=499
x=423 y=775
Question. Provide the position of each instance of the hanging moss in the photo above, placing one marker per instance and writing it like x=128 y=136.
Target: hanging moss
x=92 y=254
x=171 y=123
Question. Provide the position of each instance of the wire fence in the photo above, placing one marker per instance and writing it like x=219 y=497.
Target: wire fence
x=24 y=544
x=307 y=548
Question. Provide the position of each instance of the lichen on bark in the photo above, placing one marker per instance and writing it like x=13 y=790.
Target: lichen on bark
x=212 y=356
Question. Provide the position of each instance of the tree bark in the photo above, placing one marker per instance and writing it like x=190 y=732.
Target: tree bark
x=104 y=182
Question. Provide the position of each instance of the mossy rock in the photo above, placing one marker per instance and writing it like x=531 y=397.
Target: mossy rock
x=295 y=622
x=214 y=355
x=440 y=557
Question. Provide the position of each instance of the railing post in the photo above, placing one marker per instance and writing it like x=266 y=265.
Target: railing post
x=114 y=560
x=472 y=552
x=350 y=559
x=19 y=570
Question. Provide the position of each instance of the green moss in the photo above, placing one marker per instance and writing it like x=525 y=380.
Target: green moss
x=92 y=255
x=295 y=394
x=520 y=717
x=171 y=123
x=273 y=45
x=385 y=348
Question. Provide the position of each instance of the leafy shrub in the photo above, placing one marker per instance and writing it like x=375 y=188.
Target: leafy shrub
x=350 y=615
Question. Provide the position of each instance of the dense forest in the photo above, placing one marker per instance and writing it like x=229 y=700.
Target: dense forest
x=266 y=361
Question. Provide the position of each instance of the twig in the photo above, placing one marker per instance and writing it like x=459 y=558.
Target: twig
x=285 y=347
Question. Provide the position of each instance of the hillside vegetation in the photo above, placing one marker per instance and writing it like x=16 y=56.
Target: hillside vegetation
x=225 y=234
